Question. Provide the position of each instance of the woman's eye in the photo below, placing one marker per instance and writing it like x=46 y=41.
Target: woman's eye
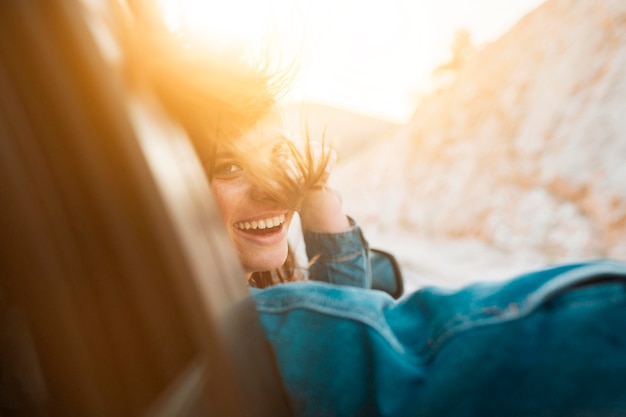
x=227 y=170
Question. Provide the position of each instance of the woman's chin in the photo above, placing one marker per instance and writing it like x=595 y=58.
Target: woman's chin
x=261 y=252
x=258 y=262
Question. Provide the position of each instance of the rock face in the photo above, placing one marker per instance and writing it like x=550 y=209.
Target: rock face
x=525 y=150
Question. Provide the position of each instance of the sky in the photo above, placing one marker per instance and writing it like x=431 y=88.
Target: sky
x=369 y=56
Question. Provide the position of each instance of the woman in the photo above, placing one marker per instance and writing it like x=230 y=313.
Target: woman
x=259 y=182
x=259 y=176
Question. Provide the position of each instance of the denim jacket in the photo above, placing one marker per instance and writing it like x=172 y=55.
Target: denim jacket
x=339 y=258
x=549 y=343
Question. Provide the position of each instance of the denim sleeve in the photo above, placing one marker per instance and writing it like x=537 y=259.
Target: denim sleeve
x=549 y=343
x=339 y=258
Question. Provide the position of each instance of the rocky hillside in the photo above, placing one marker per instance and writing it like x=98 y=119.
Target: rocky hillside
x=524 y=151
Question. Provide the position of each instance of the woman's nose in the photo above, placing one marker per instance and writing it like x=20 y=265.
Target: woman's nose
x=258 y=193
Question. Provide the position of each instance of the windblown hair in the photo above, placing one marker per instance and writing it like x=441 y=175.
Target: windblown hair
x=217 y=97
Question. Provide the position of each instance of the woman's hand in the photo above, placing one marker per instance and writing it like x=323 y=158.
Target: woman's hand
x=321 y=209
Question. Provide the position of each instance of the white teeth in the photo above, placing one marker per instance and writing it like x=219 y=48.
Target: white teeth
x=261 y=224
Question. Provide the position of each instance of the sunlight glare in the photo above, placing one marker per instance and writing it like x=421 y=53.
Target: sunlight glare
x=251 y=25
x=238 y=20
x=375 y=56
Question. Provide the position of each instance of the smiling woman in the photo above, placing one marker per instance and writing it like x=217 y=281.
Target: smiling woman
x=257 y=217
x=260 y=179
x=260 y=174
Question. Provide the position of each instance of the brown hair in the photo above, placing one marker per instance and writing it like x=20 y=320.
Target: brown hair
x=216 y=97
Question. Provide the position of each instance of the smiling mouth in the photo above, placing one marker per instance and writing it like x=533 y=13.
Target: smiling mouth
x=262 y=226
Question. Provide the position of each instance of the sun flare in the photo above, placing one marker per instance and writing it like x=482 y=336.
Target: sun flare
x=374 y=56
x=248 y=24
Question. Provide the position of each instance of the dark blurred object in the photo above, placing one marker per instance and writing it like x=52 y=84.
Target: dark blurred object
x=386 y=273
x=107 y=309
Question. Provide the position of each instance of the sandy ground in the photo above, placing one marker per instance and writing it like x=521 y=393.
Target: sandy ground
x=451 y=263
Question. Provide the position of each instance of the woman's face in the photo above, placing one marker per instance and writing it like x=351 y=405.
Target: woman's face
x=256 y=223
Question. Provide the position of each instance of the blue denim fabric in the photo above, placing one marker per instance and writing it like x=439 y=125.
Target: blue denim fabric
x=339 y=258
x=548 y=343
